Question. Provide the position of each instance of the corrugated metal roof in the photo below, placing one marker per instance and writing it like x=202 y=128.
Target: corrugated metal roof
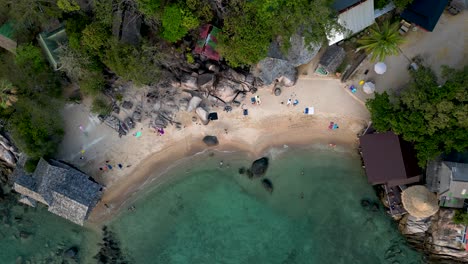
x=354 y=20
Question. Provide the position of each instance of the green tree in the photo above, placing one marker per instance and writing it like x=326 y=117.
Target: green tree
x=176 y=22
x=30 y=14
x=30 y=56
x=402 y=4
x=93 y=84
x=382 y=41
x=36 y=126
x=101 y=106
x=432 y=116
x=8 y=94
x=150 y=8
x=141 y=66
x=96 y=38
x=460 y=217
x=68 y=5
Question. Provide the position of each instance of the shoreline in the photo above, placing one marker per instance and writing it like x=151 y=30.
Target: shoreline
x=152 y=170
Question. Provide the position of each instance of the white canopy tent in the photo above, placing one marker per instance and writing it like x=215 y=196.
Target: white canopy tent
x=380 y=68
x=369 y=87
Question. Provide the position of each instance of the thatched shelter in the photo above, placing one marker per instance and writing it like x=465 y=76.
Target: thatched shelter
x=419 y=201
x=331 y=59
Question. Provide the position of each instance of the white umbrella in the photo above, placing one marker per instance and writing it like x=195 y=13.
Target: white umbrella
x=368 y=87
x=380 y=68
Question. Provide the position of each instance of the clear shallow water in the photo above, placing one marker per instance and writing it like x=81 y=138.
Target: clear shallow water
x=209 y=214
x=48 y=236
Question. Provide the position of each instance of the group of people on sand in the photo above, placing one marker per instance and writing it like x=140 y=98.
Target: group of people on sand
x=290 y=100
x=107 y=166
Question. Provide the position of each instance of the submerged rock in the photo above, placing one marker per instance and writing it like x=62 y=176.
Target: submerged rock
x=71 y=252
x=268 y=185
x=259 y=167
x=211 y=140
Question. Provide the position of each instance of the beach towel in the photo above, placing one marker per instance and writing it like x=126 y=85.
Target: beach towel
x=309 y=110
x=246 y=112
x=353 y=89
x=296 y=102
x=109 y=166
x=331 y=125
x=138 y=134
x=252 y=100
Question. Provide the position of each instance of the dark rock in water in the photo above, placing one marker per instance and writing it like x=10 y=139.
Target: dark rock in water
x=241 y=170
x=365 y=203
x=249 y=173
x=211 y=140
x=268 y=185
x=71 y=252
x=24 y=235
x=259 y=167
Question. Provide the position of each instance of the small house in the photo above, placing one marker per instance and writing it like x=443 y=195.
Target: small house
x=424 y=13
x=66 y=191
x=6 y=37
x=389 y=160
x=450 y=181
x=330 y=60
x=207 y=42
x=50 y=42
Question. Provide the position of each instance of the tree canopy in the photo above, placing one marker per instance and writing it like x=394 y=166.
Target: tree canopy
x=382 y=41
x=434 y=117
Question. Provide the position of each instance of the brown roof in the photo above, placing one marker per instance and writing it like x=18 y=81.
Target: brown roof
x=389 y=160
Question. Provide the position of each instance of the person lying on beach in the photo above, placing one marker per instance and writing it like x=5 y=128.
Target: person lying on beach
x=289 y=102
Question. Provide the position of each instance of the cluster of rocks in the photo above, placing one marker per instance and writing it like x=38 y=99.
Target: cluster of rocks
x=436 y=236
x=8 y=153
x=258 y=170
x=110 y=251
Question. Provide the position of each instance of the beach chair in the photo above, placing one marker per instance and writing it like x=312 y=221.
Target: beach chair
x=246 y=112
x=252 y=100
x=309 y=110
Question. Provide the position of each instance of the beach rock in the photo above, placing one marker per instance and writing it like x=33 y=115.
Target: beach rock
x=212 y=67
x=7 y=156
x=189 y=81
x=270 y=70
x=71 y=252
x=203 y=115
x=277 y=91
x=227 y=89
x=268 y=185
x=299 y=52
x=259 y=167
x=205 y=81
x=437 y=236
x=193 y=103
x=127 y=105
x=210 y=141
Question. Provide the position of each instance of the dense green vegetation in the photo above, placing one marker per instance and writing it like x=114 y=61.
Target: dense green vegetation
x=383 y=40
x=460 y=217
x=432 y=116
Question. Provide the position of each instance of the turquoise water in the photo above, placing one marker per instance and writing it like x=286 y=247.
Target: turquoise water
x=208 y=214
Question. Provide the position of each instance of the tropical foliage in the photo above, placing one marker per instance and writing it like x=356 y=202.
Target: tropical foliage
x=432 y=116
x=382 y=41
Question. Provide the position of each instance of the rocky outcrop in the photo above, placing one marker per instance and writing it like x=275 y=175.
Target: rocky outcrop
x=7 y=152
x=299 y=52
x=271 y=70
x=193 y=103
x=259 y=167
x=210 y=141
x=437 y=236
x=268 y=185
x=203 y=115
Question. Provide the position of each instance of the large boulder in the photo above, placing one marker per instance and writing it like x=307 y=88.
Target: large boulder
x=299 y=52
x=7 y=156
x=203 y=115
x=227 y=89
x=271 y=70
x=259 y=167
x=193 y=103
x=189 y=81
x=211 y=140
x=205 y=81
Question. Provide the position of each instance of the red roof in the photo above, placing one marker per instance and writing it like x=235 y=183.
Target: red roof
x=207 y=42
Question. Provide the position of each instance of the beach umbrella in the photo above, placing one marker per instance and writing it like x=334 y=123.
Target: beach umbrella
x=380 y=68
x=419 y=201
x=369 y=87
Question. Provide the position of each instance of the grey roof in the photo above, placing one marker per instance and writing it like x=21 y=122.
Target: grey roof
x=459 y=171
x=449 y=179
x=68 y=192
x=332 y=58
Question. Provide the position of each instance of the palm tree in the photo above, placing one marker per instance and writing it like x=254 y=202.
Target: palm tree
x=382 y=41
x=7 y=94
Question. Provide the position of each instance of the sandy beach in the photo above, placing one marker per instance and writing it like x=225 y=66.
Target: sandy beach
x=269 y=124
